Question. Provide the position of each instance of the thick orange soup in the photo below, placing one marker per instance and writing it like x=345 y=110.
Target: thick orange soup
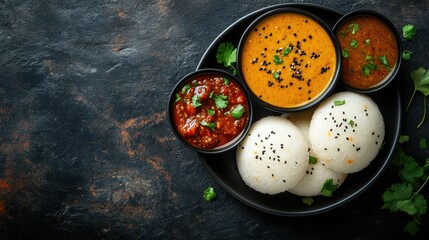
x=288 y=60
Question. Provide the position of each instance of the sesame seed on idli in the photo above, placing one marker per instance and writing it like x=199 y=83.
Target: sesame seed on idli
x=346 y=131
x=273 y=156
x=316 y=174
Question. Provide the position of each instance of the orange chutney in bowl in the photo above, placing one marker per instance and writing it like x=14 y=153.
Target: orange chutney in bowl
x=287 y=60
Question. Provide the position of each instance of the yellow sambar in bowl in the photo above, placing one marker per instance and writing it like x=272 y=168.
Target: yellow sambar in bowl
x=289 y=60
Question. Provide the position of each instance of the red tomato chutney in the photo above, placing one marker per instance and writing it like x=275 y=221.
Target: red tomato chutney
x=210 y=110
x=369 y=51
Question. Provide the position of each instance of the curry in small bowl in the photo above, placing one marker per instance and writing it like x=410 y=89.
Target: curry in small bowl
x=288 y=59
x=209 y=111
x=370 y=48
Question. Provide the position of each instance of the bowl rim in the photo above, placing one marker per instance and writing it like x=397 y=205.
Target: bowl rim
x=391 y=76
x=335 y=78
x=205 y=71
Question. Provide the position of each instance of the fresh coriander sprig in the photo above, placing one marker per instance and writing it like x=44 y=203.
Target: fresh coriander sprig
x=420 y=78
x=406 y=196
x=227 y=55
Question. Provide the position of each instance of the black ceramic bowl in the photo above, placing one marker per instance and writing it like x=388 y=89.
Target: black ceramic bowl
x=295 y=60
x=371 y=48
x=216 y=111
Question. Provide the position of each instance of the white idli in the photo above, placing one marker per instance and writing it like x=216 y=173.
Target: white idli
x=346 y=132
x=314 y=179
x=316 y=174
x=273 y=156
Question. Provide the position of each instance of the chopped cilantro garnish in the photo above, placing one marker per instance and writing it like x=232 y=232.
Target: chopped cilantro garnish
x=308 y=201
x=177 y=98
x=186 y=88
x=383 y=60
x=312 y=160
x=212 y=125
x=403 y=139
x=226 y=55
x=287 y=51
x=354 y=27
x=328 y=188
x=406 y=55
x=368 y=57
x=409 y=31
x=225 y=81
x=277 y=60
x=196 y=101
x=237 y=112
x=276 y=75
x=367 y=42
x=339 y=102
x=211 y=112
x=351 y=123
x=345 y=53
x=354 y=44
x=221 y=101
x=209 y=194
x=367 y=68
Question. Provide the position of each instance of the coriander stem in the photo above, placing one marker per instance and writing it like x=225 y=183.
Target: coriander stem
x=424 y=112
x=411 y=99
x=421 y=187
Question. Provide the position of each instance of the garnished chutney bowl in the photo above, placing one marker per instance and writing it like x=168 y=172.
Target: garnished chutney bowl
x=371 y=50
x=209 y=111
x=289 y=60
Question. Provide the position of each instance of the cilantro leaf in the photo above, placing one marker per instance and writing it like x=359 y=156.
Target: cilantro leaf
x=308 y=201
x=196 y=101
x=404 y=139
x=186 y=88
x=212 y=125
x=345 y=53
x=277 y=60
x=312 y=160
x=177 y=98
x=227 y=55
x=420 y=78
x=339 y=102
x=220 y=101
x=409 y=31
x=287 y=51
x=383 y=60
x=354 y=27
x=209 y=194
x=354 y=44
x=238 y=112
x=211 y=112
x=328 y=188
x=412 y=227
x=395 y=196
x=406 y=55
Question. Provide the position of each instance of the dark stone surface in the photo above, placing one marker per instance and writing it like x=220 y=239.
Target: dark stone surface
x=85 y=147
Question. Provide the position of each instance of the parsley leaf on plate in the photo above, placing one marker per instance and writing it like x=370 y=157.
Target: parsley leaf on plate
x=209 y=194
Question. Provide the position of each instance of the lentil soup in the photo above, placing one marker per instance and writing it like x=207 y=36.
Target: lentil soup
x=288 y=60
x=369 y=51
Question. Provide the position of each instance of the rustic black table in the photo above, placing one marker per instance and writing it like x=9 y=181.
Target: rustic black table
x=86 y=151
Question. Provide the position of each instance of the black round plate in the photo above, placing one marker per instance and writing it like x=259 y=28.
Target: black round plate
x=223 y=168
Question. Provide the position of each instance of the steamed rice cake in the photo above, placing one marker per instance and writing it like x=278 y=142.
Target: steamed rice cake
x=346 y=131
x=316 y=174
x=273 y=156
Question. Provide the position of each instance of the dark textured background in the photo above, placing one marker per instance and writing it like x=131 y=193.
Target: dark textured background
x=85 y=147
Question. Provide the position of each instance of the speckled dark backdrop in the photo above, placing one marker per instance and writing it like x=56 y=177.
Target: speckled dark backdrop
x=85 y=148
